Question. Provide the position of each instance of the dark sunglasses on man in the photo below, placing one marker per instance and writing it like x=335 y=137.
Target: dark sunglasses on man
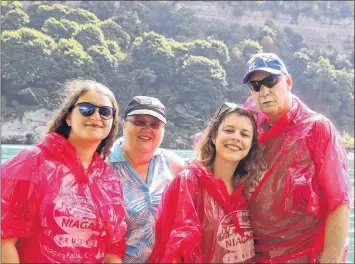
x=88 y=109
x=269 y=82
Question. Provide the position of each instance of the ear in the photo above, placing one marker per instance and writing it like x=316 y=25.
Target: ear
x=67 y=120
x=289 y=82
x=123 y=124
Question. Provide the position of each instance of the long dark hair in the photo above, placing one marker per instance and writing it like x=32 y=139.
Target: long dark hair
x=73 y=90
x=249 y=167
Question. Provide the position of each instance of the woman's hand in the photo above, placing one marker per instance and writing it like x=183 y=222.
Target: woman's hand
x=9 y=252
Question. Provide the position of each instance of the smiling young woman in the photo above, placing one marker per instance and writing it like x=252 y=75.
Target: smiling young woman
x=56 y=206
x=203 y=216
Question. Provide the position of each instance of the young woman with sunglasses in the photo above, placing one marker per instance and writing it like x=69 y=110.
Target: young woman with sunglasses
x=203 y=216
x=60 y=201
x=145 y=170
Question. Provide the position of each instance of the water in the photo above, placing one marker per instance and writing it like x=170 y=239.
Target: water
x=7 y=151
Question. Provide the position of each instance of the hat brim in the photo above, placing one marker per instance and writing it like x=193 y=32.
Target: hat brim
x=265 y=69
x=148 y=112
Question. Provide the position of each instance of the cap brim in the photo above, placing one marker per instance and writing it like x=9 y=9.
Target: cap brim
x=269 y=70
x=148 y=112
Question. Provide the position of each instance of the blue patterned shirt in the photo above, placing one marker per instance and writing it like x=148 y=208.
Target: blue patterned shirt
x=141 y=201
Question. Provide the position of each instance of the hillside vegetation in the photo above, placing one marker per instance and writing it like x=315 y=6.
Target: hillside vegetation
x=162 y=49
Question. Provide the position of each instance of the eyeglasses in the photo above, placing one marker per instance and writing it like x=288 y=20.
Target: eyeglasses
x=270 y=81
x=142 y=123
x=229 y=105
x=88 y=109
x=226 y=105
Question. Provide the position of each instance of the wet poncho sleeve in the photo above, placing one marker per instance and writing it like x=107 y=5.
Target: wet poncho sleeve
x=178 y=235
x=20 y=193
x=330 y=159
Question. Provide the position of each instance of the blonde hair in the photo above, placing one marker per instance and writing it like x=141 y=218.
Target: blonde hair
x=73 y=90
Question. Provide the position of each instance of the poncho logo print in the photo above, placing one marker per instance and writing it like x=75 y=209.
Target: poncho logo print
x=81 y=231
x=241 y=247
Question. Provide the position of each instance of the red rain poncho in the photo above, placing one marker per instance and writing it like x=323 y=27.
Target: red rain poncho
x=58 y=211
x=307 y=178
x=199 y=222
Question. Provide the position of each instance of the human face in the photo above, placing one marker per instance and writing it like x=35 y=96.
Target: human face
x=234 y=138
x=142 y=139
x=275 y=101
x=89 y=128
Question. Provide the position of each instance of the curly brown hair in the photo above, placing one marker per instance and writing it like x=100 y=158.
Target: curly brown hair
x=251 y=166
x=73 y=89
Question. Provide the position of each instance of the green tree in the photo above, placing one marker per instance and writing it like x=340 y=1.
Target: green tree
x=26 y=59
x=82 y=16
x=71 y=61
x=344 y=86
x=153 y=51
x=267 y=31
x=114 y=32
x=201 y=80
x=39 y=13
x=96 y=7
x=249 y=47
x=62 y=28
x=212 y=49
x=170 y=19
x=131 y=23
x=13 y=16
x=7 y=6
x=106 y=62
x=90 y=35
x=115 y=50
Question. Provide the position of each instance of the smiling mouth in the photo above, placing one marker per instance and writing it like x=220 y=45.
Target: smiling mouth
x=144 y=138
x=95 y=126
x=233 y=148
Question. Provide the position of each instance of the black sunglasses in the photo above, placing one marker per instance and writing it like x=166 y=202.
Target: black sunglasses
x=88 y=109
x=270 y=81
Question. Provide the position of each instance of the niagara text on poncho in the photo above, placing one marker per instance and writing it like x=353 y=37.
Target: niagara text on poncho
x=199 y=222
x=307 y=178
x=58 y=211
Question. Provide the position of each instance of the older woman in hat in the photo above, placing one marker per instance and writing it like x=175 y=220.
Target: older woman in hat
x=145 y=170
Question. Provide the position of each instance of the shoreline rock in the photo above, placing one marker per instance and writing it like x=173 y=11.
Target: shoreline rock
x=26 y=131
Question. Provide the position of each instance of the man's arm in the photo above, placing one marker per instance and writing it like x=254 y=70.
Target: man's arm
x=336 y=232
x=329 y=157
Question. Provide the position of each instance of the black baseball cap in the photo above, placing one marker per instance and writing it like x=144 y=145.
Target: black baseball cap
x=145 y=105
x=268 y=62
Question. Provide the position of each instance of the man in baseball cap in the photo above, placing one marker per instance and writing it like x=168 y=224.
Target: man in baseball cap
x=300 y=207
x=267 y=62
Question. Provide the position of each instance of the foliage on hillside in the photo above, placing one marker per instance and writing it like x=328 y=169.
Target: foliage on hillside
x=160 y=48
